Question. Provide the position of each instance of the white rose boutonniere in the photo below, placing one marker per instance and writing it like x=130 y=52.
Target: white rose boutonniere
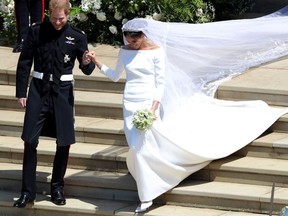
x=143 y=119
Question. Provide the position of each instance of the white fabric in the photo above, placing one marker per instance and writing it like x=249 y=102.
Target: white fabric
x=207 y=54
x=138 y=78
x=195 y=128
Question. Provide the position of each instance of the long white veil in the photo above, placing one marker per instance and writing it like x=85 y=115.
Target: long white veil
x=197 y=128
x=200 y=56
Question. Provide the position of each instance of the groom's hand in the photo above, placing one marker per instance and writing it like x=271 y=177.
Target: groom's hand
x=22 y=102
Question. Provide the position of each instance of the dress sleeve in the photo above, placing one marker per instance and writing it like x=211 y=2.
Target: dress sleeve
x=114 y=74
x=159 y=75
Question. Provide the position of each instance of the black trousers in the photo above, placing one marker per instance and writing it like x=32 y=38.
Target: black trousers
x=30 y=158
x=29 y=169
x=28 y=12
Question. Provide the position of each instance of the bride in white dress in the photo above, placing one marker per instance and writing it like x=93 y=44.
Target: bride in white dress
x=173 y=69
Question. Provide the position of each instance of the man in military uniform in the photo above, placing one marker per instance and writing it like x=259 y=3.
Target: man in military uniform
x=53 y=48
x=26 y=13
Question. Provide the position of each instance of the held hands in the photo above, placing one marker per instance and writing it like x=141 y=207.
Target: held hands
x=86 y=58
x=91 y=55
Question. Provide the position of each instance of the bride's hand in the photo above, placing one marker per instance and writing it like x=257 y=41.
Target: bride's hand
x=153 y=113
x=154 y=107
x=94 y=59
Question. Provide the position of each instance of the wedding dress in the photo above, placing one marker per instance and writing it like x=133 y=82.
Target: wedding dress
x=192 y=127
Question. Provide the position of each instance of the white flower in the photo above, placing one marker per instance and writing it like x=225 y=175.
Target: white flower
x=2 y=8
x=124 y=21
x=72 y=18
x=113 y=29
x=82 y=17
x=118 y=15
x=156 y=16
x=97 y=5
x=199 y=12
x=91 y=5
x=143 y=119
x=101 y=16
x=85 y=6
x=7 y=7
x=148 y=17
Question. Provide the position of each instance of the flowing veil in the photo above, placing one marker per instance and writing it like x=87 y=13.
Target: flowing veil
x=197 y=128
x=201 y=56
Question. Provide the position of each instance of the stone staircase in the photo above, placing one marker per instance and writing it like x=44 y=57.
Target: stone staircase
x=97 y=180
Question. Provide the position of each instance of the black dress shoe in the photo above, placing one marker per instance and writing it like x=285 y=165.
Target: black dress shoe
x=18 y=47
x=22 y=201
x=57 y=197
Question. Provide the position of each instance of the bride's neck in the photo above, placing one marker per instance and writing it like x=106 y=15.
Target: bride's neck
x=147 y=45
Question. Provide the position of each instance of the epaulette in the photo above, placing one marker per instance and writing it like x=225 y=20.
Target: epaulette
x=78 y=30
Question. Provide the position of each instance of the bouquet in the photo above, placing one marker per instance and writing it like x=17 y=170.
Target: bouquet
x=143 y=119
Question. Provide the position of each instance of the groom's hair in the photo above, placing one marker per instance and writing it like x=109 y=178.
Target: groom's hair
x=59 y=4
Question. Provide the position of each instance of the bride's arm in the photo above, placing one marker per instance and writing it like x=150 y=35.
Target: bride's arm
x=113 y=74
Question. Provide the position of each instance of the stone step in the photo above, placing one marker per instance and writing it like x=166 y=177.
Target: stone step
x=95 y=82
x=87 y=103
x=267 y=82
x=101 y=207
x=98 y=83
x=94 y=130
x=85 y=156
x=88 y=129
x=81 y=184
x=98 y=157
x=271 y=145
x=227 y=195
x=78 y=182
x=246 y=170
x=109 y=105
x=74 y=206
